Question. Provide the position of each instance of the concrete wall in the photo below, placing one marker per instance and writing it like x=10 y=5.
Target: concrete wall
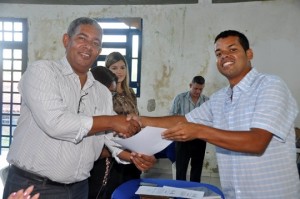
x=178 y=43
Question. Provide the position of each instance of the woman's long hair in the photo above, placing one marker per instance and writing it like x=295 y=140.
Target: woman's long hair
x=114 y=57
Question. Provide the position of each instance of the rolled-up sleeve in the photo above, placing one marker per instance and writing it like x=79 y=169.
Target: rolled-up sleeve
x=114 y=148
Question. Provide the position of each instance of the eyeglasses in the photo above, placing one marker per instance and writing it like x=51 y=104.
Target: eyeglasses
x=80 y=104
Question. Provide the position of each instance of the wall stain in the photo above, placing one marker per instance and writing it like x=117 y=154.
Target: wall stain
x=209 y=167
x=206 y=164
x=215 y=170
x=162 y=84
x=204 y=68
x=47 y=49
x=151 y=105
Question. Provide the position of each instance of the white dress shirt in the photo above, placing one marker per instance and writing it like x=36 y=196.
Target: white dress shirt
x=56 y=115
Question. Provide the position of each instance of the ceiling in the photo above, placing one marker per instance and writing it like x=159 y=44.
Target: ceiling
x=100 y=2
x=115 y=2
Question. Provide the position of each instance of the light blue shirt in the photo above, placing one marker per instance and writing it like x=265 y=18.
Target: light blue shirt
x=258 y=101
x=183 y=103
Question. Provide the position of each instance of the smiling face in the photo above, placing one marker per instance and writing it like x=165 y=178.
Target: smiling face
x=232 y=60
x=83 y=48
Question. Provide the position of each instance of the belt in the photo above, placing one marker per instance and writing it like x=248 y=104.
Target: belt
x=35 y=177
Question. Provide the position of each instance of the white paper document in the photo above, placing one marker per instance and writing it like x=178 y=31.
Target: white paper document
x=148 y=141
x=169 y=192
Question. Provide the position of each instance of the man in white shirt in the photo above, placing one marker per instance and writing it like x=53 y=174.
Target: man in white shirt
x=64 y=113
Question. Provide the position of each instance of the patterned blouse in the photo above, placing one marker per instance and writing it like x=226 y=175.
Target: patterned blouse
x=125 y=104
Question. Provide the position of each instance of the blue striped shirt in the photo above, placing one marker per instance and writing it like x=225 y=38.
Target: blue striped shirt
x=258 y=101
x=183 y=103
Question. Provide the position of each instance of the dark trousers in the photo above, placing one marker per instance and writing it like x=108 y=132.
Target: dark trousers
x=118 y=174
x=47 y=190
x=191 y=150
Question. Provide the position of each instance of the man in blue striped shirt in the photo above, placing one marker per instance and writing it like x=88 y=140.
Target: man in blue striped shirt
x=251 y=122
x=193 y=150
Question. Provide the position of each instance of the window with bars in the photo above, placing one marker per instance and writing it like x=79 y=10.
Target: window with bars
x=123 y=35
x=13 y=62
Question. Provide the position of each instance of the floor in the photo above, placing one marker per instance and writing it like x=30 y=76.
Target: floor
x=162 y=169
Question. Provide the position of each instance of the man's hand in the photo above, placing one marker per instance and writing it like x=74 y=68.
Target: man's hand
x=134 y=117
x=117 y=123
x=142 y=162
x=124 y=127
x=183 y=131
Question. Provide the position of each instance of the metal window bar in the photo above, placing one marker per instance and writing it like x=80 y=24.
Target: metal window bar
x=13 y=62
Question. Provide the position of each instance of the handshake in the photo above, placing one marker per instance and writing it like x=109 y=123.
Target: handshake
x=126 y=126
x=178 y=128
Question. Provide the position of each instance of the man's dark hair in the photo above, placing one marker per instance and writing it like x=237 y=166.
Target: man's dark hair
x=198 y=80
x=104 y=75
x=242 y=38
x=82 y=21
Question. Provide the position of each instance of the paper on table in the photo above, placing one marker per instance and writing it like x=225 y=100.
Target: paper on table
x=170 y=192
x=148 y=141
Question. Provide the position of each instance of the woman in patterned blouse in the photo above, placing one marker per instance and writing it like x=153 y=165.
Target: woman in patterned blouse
x=107 y=171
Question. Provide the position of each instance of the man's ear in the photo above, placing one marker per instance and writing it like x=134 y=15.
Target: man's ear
x=249 y=54
x=66 y=40
x=99 y=51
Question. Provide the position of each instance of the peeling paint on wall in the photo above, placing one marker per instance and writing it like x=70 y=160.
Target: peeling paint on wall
x=151 y=105
x=161 y=85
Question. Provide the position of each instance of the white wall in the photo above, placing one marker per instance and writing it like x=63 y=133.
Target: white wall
x=178 y=42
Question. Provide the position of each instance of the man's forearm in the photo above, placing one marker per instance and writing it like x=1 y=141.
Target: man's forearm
x=163 y=122
x=116 y=123
x=101 y=123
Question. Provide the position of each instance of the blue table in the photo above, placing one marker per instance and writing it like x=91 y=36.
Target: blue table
x=127 y=190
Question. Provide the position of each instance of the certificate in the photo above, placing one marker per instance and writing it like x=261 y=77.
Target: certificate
x=148 y=141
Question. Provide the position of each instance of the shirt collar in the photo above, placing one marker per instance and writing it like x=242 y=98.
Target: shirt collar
x=248 y=80
x=245 y=83
x=66 y=69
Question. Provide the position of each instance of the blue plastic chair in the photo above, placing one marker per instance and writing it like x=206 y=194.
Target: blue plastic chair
x=168 y=152
x=127 y=190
